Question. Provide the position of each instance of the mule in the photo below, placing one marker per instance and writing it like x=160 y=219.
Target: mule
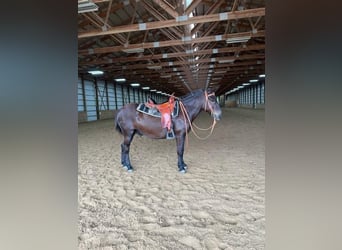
x=129 y=121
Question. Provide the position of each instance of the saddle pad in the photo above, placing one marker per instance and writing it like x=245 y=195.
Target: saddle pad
x=147 y=110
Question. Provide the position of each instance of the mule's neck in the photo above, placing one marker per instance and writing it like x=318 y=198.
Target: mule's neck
x=193 y=108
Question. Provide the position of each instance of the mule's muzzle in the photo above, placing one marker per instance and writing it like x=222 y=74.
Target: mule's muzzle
x=217 y=116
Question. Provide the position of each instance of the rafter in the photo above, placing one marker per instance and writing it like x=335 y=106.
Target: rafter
x=192 y=6
x=205 y=60
x=165 y=29
x=108 y=12
x=259 y=33
x=99 y=22
x=211 y=10
x=160 y=17
x=167 y=7
x=174 y=55
x=176 y=22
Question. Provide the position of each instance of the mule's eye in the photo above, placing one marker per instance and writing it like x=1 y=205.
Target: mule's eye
x=212 y=98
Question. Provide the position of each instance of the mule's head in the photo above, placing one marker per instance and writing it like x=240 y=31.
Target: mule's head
x=211 y=105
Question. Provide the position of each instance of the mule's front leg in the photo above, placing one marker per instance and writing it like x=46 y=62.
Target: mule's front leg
x=180 y=151
x=125 y=161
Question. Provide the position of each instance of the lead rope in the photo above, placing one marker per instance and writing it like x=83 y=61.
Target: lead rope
x=186 y=118
x=205 y=107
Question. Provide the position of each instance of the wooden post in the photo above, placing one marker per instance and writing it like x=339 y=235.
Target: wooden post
x=129 y=98
x=106 y=86
x=97 y=100
x=83 y=94
x=115 y=96
x=122 y=95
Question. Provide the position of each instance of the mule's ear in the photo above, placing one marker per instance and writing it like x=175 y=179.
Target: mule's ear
x=210 y=90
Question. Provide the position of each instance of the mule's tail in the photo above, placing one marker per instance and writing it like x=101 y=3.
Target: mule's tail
x=117 y=126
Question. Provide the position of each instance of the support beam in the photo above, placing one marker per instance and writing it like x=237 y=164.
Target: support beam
x=83 y=94
x=176 y=22
x=174 y=55
x=107 y=97
x=97 y=99
x=210 y=11
x=100 y=23
x=260 y=33
x=167 y=7
x=180 y=63
x=192 y=6
x=115 y=95
x=160 y=17
x=108 y=12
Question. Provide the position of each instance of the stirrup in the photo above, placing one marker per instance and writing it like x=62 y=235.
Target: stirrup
x=170 y=134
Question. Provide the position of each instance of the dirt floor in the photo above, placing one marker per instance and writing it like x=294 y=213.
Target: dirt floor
x=218 y=204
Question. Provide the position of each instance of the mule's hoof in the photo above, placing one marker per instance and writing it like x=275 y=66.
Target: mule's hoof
x=128 y=168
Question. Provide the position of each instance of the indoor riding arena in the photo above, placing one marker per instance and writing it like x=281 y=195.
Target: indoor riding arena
x=136 y=51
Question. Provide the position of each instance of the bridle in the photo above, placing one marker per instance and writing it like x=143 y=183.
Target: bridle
x=207 y=101
x=187 y=118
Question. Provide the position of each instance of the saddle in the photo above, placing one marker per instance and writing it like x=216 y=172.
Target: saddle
x=165 y=111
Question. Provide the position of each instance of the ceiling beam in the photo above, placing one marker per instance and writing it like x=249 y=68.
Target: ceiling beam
x=259 y=33
x=160 y=17
x=179 y=21
x=99 y=22
x=235 y=5
x=211 y=10
x=192 y=6
x=205 y=60
x=174 y=55
x=231 y=69
x=108 y=12
x=167 y=7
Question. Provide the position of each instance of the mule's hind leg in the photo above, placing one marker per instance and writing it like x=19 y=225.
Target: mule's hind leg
x=125 y=159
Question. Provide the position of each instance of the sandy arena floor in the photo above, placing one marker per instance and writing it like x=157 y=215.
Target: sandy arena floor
x=218 y=204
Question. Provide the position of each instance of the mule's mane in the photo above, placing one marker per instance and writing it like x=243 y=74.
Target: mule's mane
x=191 y=95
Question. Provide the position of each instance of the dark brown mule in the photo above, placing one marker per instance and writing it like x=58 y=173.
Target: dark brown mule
x=129 y=121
